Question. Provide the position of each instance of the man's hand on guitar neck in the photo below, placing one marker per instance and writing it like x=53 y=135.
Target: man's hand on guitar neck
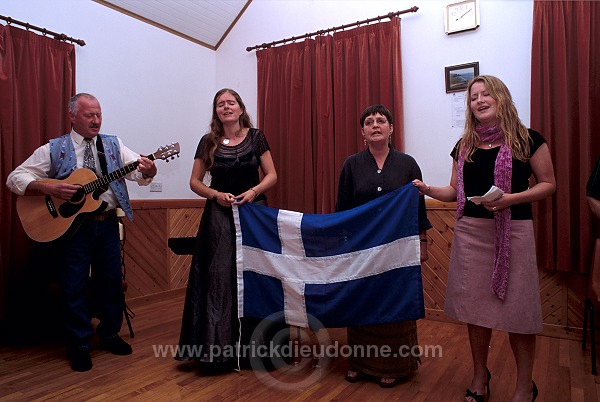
x=146 y=167
x=57 y=189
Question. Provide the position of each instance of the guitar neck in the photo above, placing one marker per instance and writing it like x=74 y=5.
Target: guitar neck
x=103 y=181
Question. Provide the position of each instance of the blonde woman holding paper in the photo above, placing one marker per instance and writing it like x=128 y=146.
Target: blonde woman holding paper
x=493 y=279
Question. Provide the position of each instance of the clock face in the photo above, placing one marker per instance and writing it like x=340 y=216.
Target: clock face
x=462 y=16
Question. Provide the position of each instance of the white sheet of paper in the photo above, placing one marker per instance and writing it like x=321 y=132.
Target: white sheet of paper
x=492 y=195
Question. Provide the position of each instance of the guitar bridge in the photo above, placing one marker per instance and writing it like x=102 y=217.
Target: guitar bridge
x=51 y=207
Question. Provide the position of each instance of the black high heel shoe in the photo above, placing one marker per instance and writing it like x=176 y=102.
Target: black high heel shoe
x=535 y=391
x=477 y=397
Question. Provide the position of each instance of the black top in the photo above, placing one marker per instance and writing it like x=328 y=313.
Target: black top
x=593 y=185
x=235 y=169
x=362 y=181
x=479 y=177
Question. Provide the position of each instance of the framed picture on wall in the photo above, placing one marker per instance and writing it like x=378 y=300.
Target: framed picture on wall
x=457 y=77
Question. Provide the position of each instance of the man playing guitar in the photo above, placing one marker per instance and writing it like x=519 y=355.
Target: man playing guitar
x=94 y=240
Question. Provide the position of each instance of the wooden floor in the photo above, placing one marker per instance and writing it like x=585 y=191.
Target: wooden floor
x=41 y=372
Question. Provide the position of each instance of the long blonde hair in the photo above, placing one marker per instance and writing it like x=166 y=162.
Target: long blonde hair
x=515 y=132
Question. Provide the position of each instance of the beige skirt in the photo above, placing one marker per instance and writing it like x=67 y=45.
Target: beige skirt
x=468 y=295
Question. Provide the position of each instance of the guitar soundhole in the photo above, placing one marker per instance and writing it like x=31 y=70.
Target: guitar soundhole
x=72 y=207
x=78 y=196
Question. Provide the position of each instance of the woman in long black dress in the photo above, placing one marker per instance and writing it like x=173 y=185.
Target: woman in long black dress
x=233 y=152
x=369 y=174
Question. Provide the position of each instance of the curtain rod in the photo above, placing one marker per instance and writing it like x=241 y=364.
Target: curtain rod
x=324 y=31
x=44 y=31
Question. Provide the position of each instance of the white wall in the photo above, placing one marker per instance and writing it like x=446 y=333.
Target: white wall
x=156 y=88
x=502 y=45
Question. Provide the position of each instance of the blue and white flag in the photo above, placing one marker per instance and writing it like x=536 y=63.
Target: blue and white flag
x=346 y=269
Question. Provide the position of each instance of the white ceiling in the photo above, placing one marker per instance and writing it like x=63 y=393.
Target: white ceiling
x=206 y=22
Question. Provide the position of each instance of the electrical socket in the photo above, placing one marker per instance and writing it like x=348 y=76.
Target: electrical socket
x=155 y=187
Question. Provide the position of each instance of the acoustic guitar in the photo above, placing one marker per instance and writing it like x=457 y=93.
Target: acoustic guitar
x=46 y=218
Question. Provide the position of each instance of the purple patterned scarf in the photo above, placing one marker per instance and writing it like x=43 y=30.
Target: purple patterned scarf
x=502 y=218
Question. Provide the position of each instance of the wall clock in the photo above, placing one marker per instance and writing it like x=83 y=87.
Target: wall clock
x=462 y=16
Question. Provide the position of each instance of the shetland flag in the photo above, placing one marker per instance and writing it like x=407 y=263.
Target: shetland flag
x=345 y=269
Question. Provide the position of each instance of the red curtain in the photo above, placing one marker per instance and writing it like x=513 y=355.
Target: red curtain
x=310 y=96
x=285 y=115
x=37 y=78
x=565 y=94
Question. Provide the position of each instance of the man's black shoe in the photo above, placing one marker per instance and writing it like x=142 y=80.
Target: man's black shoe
x=116 y=346
x=80 y=359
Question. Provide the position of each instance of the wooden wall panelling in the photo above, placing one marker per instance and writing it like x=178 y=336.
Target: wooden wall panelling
x=435 y=273
x=182 y=223
x=153 y=269
x=552 y=297
x=577 y=288
x=435 y=270
x=146 y=253
x=562 y=296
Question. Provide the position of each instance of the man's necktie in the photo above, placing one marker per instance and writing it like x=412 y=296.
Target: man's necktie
x=88 y=156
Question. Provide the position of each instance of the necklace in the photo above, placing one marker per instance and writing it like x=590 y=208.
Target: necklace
x=226 y=141
x=490 y=145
